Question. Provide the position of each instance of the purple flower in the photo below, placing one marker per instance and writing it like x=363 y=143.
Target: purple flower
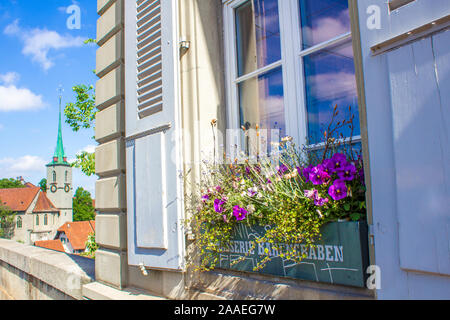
x=318 y=175
x=328 y=165
x=247 y=169
x=339 y=161
x=239 y=213
x=311 y=194
x=218 y=189
x=361 y=176
x=252 y=192
x=205 y=198
x=282 y=169
x=338 y=190
x=307 y=171
x=347 y=173
x=320 y=202
x=218 y=205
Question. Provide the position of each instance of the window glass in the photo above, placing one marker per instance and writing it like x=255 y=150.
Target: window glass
x=322 y=20
x=37 y=220
x=261 y=102
x=258 y=35
x=330 y=81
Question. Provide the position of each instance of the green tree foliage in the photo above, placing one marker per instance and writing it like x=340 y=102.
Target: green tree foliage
x=43 y=185
x=91 y=246
x=81 y=115
x=10 y=184
x=83 y=209
x=6 y=222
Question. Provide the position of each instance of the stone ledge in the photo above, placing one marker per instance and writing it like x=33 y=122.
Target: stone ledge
x=64 y=272
x=98 y=291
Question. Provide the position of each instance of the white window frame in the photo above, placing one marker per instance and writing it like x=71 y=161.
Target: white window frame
x=294 y=84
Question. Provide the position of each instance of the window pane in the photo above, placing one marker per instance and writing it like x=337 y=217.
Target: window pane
x=330 y=80
x=323 y=20
x=261 y=102
x=258 y=35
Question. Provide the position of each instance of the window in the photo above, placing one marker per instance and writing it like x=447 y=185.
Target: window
x=45 y=220
x=54 y=176
x=37 y=219
x=289 y=62
x=19 y=223
x=66 y=176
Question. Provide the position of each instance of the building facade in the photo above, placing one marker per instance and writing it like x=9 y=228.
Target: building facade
x=166 y=68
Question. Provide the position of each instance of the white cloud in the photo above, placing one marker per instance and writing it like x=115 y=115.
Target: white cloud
x=19 y=99
x=22 y=166
x=89 y=148
x=39 y=42
x=9 y=78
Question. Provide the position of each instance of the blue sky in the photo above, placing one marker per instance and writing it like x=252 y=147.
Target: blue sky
x=38 y=53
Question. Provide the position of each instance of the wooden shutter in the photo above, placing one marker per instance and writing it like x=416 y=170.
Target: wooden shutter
x=154 y=196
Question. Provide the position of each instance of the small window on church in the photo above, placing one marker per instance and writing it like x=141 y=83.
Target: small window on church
x=67 y=174
x=54 y=176
x=37 y=220
x=45 y=220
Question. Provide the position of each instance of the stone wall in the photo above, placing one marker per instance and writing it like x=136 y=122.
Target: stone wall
x=32 y=273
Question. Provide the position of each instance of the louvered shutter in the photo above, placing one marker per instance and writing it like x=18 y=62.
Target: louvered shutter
x=154 y=201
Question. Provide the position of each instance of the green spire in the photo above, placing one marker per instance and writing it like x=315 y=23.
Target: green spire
x=59 y=156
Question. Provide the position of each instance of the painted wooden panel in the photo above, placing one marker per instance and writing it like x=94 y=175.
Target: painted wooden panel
x=153 y=154
x=419 y=76
x=151 y=223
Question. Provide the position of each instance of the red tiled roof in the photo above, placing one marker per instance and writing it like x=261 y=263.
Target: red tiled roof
x=44 y=204
x=18 y=199
x=78 y=232
x=29 y=185
x=50 y=244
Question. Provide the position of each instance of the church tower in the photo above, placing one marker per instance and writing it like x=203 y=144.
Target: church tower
x=59 y=179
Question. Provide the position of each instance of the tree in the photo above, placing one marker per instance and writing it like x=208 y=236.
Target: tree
x=83 y=208
x=10 y=184
x=43 y=185
x=6 y=222
x=81 y=115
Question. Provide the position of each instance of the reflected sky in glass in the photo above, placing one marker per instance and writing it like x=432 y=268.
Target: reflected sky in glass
x=322 y=20
x=330 y=80
x=261 y=102
x=258 y=35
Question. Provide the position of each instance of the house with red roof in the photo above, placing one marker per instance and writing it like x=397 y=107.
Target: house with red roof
x=73 y=235
x=36 y=218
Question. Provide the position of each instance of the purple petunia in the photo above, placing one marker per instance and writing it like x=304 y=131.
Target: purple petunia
x=307 y=171
x=320 y=202
x=252 y=192
x=239 y=213
x=218 y=205
x=205 y=198
x=328 y=165
x=339 y=161
x=318 y=175
x=338 y=190
x=282 y=169
x=347 y=173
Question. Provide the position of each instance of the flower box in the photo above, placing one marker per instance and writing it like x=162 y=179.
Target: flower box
x=341 y=257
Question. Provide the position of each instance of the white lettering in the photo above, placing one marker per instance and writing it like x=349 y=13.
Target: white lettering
x=339 y=254
x=374 y=20
x=328 y=251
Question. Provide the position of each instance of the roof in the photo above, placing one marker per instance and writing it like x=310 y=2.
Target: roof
x=78 y=232
x=18 y=199
x=50 y=244
x=59 y=157
x=44 y=204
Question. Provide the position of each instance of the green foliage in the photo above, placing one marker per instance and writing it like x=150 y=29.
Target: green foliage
x=83 y=209
x=81 y=115
x=6 y=222
x=91 y=246
x=43 y=185
x=10 y=184
x=86 y=162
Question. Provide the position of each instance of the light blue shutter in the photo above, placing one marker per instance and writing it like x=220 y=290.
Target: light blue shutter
x=412 y=59
x=154 y=195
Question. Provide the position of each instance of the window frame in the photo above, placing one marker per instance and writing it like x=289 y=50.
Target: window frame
x=294 y=83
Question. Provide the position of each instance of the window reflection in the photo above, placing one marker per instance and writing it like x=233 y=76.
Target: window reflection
x=258 y=35
x=261 y=102
x=330 y=80
x=322 y=20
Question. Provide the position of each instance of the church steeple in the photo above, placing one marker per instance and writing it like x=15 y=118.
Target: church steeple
x=59 y=156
